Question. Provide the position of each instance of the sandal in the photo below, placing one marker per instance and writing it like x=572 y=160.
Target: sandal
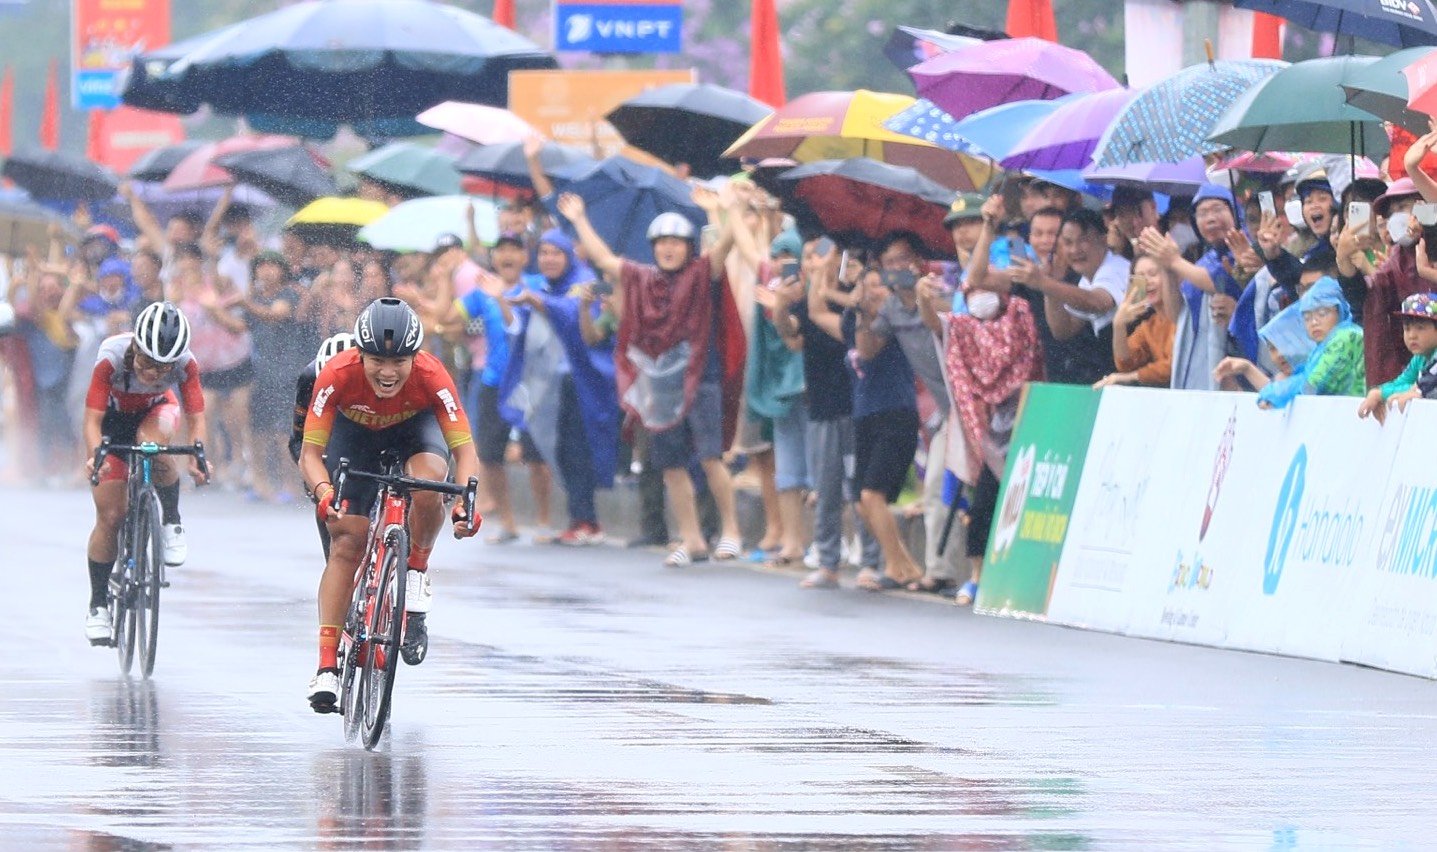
x=868 y=579
x=503 y=537
x=781 y=560
x=934 y=586
x=967 y=594
x=820 y=578
x=728 y=549
x=680 y=558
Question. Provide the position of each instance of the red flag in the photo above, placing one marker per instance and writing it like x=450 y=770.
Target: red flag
x=7 y=111
x=765 y=66
x=1266 y=36
x=504 y=13
x=50 y=118
x=95 y=145
x=1032 y=18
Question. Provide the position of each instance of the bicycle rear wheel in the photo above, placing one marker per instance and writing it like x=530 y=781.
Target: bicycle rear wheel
x=149 y=559
x=380 y=662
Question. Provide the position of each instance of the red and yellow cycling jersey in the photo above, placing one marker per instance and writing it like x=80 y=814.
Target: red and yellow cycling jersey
x=342 y=390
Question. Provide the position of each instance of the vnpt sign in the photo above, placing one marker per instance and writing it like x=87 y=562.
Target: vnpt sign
x=606 y=26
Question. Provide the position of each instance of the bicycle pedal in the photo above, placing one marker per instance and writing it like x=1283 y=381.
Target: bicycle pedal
x=164 y=584
x=101 y=643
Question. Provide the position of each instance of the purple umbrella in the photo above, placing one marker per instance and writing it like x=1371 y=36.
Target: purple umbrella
x=1067 y=137
x=997 y=72
x=1170 y=178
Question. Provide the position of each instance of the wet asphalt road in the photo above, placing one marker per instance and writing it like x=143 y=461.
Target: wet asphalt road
x=594 y=700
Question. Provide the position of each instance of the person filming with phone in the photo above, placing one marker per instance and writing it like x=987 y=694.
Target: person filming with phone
x=1143 y=330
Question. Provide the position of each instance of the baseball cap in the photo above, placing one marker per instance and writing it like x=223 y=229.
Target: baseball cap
x=511 y=237
x=968 y=205
x=106 y=231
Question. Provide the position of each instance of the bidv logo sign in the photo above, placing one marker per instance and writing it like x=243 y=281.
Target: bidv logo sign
x=615 y=26
x=1403 y=8
x=1311 y=531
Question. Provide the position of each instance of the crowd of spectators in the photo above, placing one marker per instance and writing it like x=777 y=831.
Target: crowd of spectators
x=836 y=379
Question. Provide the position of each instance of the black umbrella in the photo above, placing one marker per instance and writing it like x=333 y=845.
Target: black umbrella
x=291 y=175
x=690 y=123
x=505 y=162
x=55 y=176
x=1401 y=23
x=909 y=46
x=156 y=165
x=309 y=67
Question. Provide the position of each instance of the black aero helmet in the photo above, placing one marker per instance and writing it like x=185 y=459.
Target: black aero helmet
x=388 y=327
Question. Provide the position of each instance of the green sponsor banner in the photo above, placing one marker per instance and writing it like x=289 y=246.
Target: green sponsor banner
x=1045 y=462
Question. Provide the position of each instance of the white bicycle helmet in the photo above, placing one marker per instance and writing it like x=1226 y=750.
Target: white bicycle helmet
x=331 y=347
x=162 y=333
x=671 y=225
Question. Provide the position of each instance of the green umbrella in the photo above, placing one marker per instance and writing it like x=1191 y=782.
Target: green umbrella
x=411 y=168
x=1381 y=89
x=1303 y=108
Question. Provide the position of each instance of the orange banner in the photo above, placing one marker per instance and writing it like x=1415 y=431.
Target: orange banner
x=106 y=35
x=569 y=106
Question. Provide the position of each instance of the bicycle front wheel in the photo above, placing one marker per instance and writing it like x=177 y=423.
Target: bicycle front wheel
x=123 y=592
x=386 y=630
x=149 y=562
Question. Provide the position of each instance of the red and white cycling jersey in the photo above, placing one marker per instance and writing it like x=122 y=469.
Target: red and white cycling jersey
x=115 y=387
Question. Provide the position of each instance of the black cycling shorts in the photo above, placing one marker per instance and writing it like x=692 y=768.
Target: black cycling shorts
x=348 y=440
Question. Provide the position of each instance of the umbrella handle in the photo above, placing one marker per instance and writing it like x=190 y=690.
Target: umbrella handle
x=1207 y=47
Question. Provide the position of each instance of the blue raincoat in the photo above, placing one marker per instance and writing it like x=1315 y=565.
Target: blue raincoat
x=1335 y=367
x=544 y=348
x=1287 y=333
x=1197 y=345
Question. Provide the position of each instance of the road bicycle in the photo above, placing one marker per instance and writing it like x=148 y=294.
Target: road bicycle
x=374 y=626
x=139 y=571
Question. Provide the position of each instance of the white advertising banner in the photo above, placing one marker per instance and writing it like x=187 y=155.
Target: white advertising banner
x=1202 y=518
x=1393 y=609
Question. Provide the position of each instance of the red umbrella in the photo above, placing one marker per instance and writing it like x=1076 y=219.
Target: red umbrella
x=199 y=170
x=862 y=200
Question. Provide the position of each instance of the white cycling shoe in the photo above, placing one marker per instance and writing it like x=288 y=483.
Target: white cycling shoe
x=172 y=541
x=417 y=595
x=98 y=628
x=324 y=691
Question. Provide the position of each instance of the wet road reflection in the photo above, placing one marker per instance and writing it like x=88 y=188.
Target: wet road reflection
x=594 y=701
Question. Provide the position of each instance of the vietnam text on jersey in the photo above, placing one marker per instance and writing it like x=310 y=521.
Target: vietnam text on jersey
x=342 y=390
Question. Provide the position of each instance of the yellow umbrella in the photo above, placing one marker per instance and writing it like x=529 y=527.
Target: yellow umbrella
x=842 y=125
x=353 y=212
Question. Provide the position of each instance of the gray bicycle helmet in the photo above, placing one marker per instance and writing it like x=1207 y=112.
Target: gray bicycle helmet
x=671 y=225
x=388 y=327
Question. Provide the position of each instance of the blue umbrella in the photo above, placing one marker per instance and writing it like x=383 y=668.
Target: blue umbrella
x=1171 y=121
x=1401 y=23
x=623 y=197
x=988 y=133
x=311 y=66
x=505 y=162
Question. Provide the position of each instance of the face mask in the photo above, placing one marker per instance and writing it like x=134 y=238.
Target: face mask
x=983 y=304
x=1184 y=235
x=1397 y=229
x=1293 y=211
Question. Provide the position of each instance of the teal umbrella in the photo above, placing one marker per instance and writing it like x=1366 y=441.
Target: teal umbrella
x=1381 y=89
x=1303 y=108
x=418 y=224
x=1171 y=121
x=411 y=168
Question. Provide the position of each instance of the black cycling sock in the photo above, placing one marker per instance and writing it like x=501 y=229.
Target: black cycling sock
x=99 y=584
x=169 y=502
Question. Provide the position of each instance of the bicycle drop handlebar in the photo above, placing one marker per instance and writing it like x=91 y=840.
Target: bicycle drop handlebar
x=197 y=449
x=468 y=493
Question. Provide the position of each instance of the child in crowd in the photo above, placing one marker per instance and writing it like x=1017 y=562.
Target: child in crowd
x=1419 y=380
x=1335 y=367
x=1288 y=348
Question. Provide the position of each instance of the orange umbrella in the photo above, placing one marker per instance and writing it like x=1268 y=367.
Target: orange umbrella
x=843 y=125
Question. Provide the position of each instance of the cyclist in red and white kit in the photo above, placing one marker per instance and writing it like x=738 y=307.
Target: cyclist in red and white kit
x=384 y=394
x=132 y=399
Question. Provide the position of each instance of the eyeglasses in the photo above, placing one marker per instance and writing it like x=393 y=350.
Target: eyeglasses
x=1318 y=314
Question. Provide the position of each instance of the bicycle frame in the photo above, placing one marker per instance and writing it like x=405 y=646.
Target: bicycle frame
x=374 y=625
